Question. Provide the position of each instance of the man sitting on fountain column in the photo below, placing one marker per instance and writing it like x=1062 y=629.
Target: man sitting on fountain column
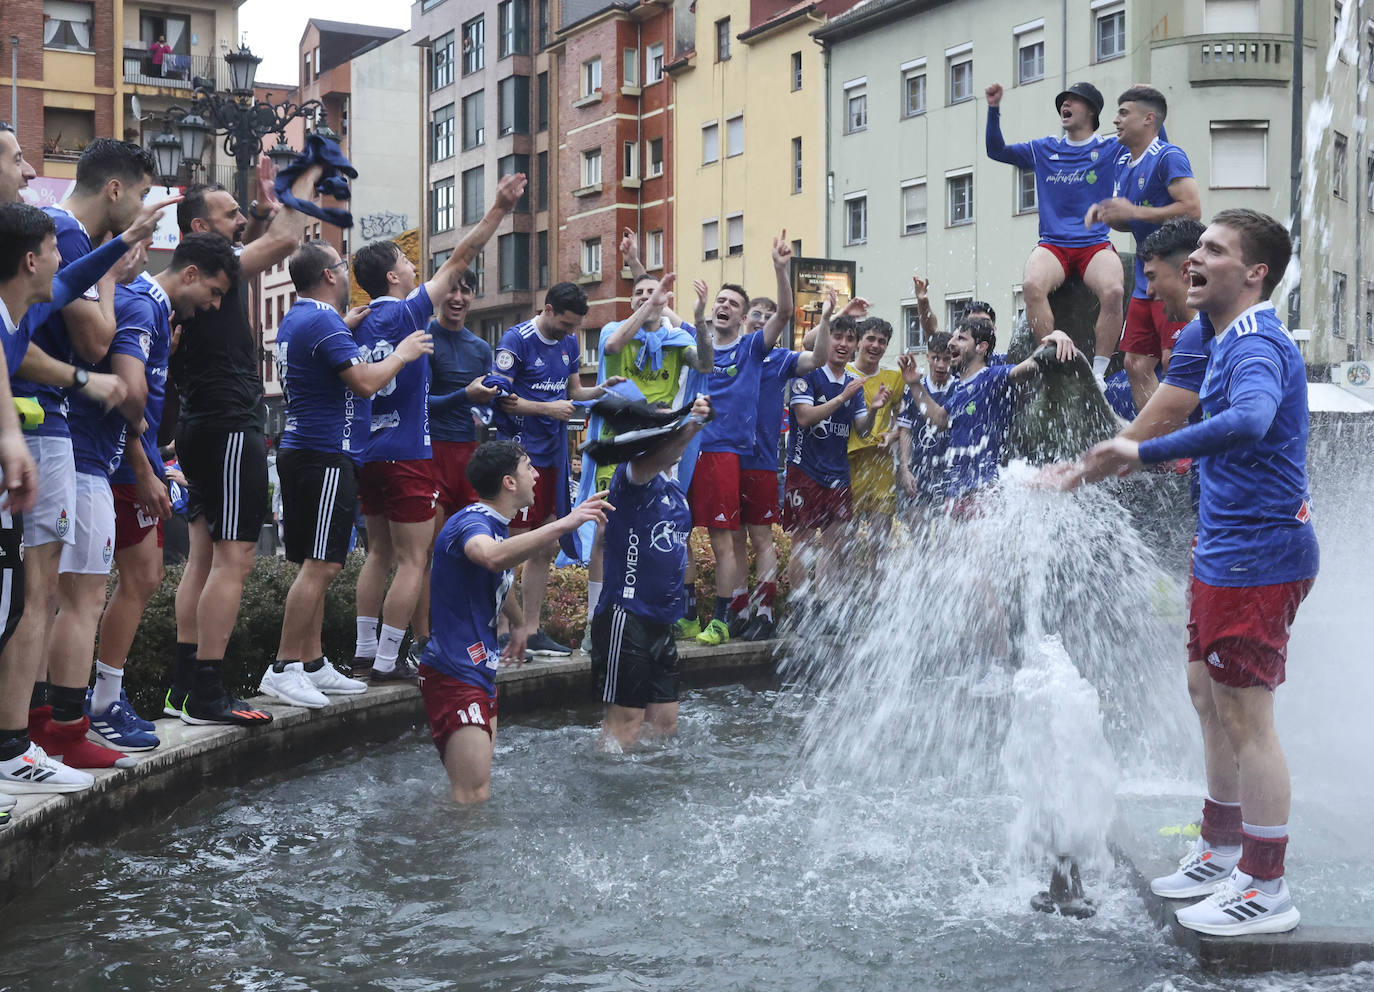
x=469 y=591
x=1067 y=171
x=1255 y=561
x=1153 y=183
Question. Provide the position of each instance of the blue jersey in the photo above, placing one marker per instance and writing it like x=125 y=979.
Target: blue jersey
x=645 y=554
x=72 y=243
x=1145 y=182
x=779 y=366
x=538 y=369
x=733 y=385
x=980 y=409
x=459 y=358
x=822 y=450
x=400 y=409
x=143 y=308
x=1188 y=361
x=928 y=446
x=313 y=346
x=465 y=600
x=1070 y=176
x=1255 y=517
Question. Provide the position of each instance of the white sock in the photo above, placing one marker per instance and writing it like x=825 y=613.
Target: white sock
x=1100 y=367
x=388 y=647
x=593 y=596
x=108 y=682
x=367 y=638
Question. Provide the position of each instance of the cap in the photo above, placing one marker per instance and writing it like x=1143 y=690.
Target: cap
x=1086 y=92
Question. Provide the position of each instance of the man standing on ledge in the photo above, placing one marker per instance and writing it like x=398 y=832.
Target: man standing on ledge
x=1255 y=562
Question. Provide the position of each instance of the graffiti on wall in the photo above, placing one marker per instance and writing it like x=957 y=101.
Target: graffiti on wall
x=383 y=225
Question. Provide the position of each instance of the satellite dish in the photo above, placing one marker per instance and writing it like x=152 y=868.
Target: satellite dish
x=136 y=105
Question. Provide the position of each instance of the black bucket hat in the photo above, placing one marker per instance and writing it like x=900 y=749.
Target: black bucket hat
x=1089 y=94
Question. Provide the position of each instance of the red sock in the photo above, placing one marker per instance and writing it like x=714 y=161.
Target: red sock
x=1221 y=823
x=1262 y=857
x=67 y=742
x=768 y=592
x=739 y=602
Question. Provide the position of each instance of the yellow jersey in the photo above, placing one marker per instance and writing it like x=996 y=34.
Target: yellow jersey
x=883 y=417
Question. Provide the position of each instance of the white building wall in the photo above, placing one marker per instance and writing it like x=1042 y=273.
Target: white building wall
x=386 y=140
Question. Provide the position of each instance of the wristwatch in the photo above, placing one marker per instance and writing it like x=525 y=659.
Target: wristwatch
x=79 y=378
x=253 y=212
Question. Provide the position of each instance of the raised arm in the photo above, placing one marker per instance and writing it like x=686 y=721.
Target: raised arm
x=997 y=148
x=811 y=414
x=629 y=250
x=645 y=316
x=782 y=256
x=1064 y=351
x=930 y=324
x=497 y=556
x=923 y=404
x=284 y=233
x=508 y=193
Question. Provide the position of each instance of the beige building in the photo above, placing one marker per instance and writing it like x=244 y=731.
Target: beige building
x=912 y=187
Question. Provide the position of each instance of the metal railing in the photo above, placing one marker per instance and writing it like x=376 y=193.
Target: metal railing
x=176 y=71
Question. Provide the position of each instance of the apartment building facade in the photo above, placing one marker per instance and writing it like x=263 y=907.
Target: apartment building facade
x=913 y=188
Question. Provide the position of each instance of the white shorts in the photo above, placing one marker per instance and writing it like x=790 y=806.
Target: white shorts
x=52 y=517
x=93 y=550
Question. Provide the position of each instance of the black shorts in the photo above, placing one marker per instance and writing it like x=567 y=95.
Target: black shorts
x=227 y=472
x=11 y=573
x=635 y=658
x=318 y=493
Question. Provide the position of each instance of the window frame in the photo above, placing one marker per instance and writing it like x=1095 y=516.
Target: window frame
x=441 y=136
x=590 y=76
x=1022 y=208
x=478 y=100
x=713 y=129
x=441 y=62
x=1224 y=126
x=590 y=251
x=797 y=65
x=962 y=58
x=731 y=133
x=856 y=206
x=520 y=108
x=1102 y=13
x=855 y=89
x=441 y=213
x=474 y=35
x=653 y=63
x=798 y=165
x=1340 y=159
x=653 y=250
x=907 y=228
x=474 y=206
x=591 y=163
x=723 y=40
x=655 y=165
x=710 y=254
x=911 y=72
x=950 y=179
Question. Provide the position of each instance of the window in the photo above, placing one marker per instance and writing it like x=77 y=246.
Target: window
x=1030 y=51
x=591 y=257
x=509 y=165
x=961 y=75
x=629 y=67
x=176 y=30
x=513 y=27
x=710 y=240
x=68 y=25
x=543 y=23
x=722 y=39
x=1018 y=305
x=513 y=262
x=474 y=200
x=1368 y=311
x=856 y=219
x=734 y=136
x=541 y=249
x=960 y=199
x=591 y=76
x=442 y=134
x=591 y=167
x=855 y=105
x=541 y=103
x=1110 y=32
x=437 y=260
x=474 y=120
x=513 y=99
x=479 y=270
x=734 y=234
x=1230 y=16
x=914 y=89
x=954 y=310
x=797 y=165
x=440 y=63
x=653 y=63
x=796 y=248
x=1339 y=154
x=653 y=250
x=1025 y=191
x=441 y=206
x=1338 y=304
x=655 y=157
x=1369 y=183
x=796 y=71
x=710 y=143
x=305 y=72
x=914 y=207
x=1240 y=154
x=474 y=45
x=542 y=181
x=911 y=323
x=67 y=132
x=630 y=163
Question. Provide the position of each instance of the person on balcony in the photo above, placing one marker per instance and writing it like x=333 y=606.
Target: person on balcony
x=158 y=51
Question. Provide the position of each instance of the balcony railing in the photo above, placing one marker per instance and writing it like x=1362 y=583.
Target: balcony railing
x=1240 y=60
x=176 y=71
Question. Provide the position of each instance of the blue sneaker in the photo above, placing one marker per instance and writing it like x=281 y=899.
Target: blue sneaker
x=118 y=728
x=143 y=724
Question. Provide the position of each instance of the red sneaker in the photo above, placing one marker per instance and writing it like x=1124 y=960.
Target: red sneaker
x=68 y=742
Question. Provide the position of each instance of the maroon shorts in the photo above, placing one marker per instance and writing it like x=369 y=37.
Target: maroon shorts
x=450 y=469
x=451 y=703
x=544 y=506
x=1242 y=633
x=1148 y=331
x=1075 y=261
x=810 y=505
x=402 y=492
x=133 y=520
x=758 y=491
x=715 y=494
x=966 y=507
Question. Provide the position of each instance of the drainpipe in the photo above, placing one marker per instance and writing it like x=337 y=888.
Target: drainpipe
x=14 y=81
x=828 y=188
x=1064 y=44
x=1362 y=301
x=1295 y=165
x=639 y=130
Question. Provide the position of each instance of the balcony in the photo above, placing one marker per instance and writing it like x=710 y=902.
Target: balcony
x=177 y=70
x=1240 y=60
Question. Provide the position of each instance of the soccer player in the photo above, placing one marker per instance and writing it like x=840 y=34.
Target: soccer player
x=469 y=591
x=718 y=494
x=1070 y=170
x=920 y=471
x=1153 y=182
x=871 y=469
x=15 y=171
x=321 y=369
x=396 y=485
x=223 y=451
x=1255 y=561
x=541 y=359
x=202 y=269
x=633 y=649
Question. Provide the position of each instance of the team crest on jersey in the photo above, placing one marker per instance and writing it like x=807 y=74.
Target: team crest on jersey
x=800 y=386
x=1304 y=514
x=145 y=343
x=63 y=524
x=1091 y=177
x=566 y=359
x=1093 y=156
x=1141 y=182
x=505 y=360
x=971 y=408
x=108 y=553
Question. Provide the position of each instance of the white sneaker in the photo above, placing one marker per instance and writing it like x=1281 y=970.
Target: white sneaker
x=1237 y=907
x=292 y=687
x=1198 y=873
x=7 y=802
x=33 y=771
x=332 y=682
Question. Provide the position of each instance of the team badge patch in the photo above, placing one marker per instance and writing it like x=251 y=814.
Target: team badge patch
x=477 y=653
x=63 y=524
x=505 y=360
x=1304 y=514
x=108 y=554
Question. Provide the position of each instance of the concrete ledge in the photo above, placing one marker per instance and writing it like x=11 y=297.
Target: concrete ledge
x=43 y=828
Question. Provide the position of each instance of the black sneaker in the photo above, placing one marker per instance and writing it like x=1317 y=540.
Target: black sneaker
x=223 y=709
x=174 y=702
x=738 y=625
x=417 y=649
x=760 y=629
x=405 y=671
x=541 y=645
x=360 y=666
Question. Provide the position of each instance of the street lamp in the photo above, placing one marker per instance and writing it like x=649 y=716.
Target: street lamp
x=243 y=67
x=167 y=152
